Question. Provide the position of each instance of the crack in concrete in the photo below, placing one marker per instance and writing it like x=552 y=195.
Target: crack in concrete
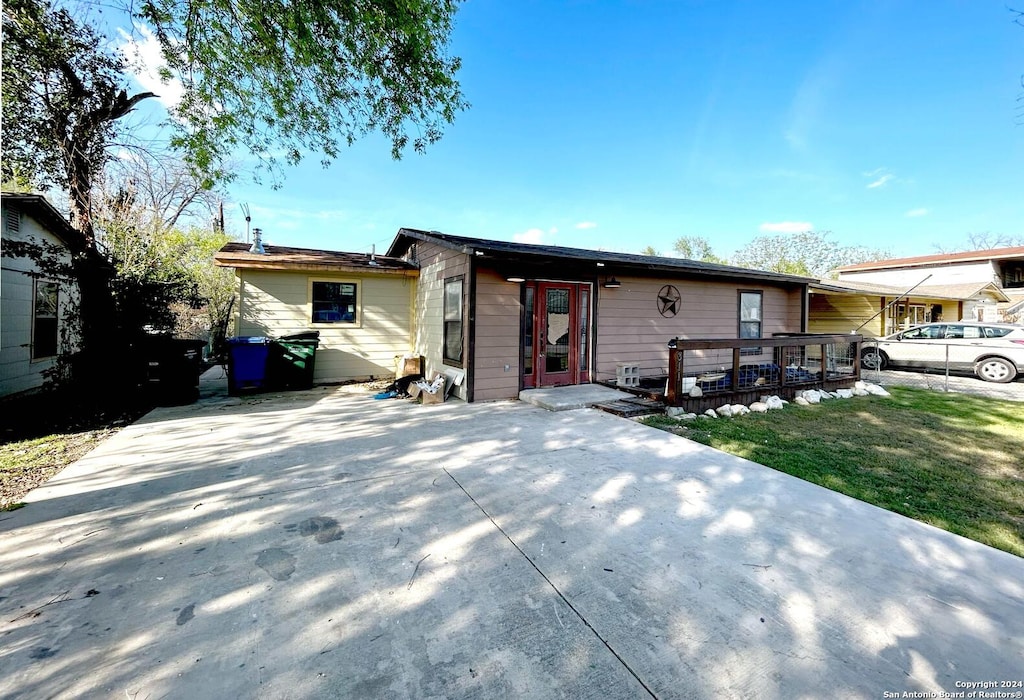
x=555 y=588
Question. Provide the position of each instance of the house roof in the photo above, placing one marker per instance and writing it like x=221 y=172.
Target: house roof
x=957 y=292
x=853 y=287
x=940 y=259
x=279 y=257
x=616 y=263
x=968 y=290
x=39 y=208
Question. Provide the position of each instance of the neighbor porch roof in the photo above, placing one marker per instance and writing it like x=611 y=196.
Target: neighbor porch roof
x=955 y=292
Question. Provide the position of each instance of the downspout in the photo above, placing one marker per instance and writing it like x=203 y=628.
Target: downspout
x=886 y=307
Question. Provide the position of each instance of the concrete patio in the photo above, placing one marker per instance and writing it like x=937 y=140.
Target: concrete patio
x=323 y=544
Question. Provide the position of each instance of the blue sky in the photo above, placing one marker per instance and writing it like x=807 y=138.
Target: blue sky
x=619 y=125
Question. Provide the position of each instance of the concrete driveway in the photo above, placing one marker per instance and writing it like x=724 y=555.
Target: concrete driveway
x=322 y=544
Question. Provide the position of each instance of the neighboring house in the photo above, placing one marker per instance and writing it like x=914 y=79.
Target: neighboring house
x=360 y=304
x=514 y=316
x=873 y=310
x=499 y=317
x=981 y=279
x=36 y=305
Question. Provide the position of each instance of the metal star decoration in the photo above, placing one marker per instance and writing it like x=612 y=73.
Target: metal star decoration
x=668 y=300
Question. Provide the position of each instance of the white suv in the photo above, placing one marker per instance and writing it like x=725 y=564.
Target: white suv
x=992 y=351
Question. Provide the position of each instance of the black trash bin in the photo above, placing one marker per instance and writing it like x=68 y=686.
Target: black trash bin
x=171 y=368
x=292 y=360
x=247 y=363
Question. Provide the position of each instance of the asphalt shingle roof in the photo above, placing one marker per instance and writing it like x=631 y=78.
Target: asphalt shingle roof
x=625 y=260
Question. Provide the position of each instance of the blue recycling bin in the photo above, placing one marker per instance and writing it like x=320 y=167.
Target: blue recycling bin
x=247 y=363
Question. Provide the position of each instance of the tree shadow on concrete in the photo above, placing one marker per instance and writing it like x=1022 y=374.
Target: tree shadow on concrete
x=332 y=545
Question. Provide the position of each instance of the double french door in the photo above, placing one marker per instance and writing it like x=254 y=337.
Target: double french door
x=556 y=334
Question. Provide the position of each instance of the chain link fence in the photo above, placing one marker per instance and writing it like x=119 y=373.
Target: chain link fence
x=945 y=367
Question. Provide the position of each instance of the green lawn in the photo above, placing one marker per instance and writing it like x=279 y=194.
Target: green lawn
x=954 y=461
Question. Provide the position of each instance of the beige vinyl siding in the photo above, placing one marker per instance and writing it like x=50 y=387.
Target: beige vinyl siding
x=631 y=330
x=18 y=372
x=842 y=313
x=436 y=264
x=949 y=273
x=278 y=303
x=496 y=362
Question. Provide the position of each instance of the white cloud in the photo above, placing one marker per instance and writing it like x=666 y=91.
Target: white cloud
x=144 y=64
x=920 y=211
x=786 y=227
x=586 y=224
x=533 y=235
x=874 y=173
x=881 y=182
x=553 y=230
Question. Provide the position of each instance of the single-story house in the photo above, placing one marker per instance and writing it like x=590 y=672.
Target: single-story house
x=874 y=309
x=37 y=301
x=498 y=317
x=362 y=305
x=516 y=315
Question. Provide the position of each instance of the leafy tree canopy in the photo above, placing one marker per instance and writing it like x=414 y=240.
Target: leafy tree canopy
x=279 y=80
x=63 y=96
x=697 y=248
x=810 y=254
x=306 y=75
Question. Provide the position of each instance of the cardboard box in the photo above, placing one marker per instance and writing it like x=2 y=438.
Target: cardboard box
x=432 y=391
x=436 y=397
x=406 y=365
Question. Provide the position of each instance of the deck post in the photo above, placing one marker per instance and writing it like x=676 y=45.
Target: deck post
x=674 y=374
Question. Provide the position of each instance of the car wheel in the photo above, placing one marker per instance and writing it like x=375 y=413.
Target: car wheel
x=872 y=358
x=995 y=369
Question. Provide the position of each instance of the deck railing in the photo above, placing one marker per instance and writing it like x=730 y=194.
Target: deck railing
x=746 y=369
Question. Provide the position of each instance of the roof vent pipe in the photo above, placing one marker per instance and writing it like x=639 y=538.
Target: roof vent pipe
x=373 y=255
x=257 y=242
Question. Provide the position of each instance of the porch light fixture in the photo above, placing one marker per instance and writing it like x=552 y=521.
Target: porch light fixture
x=612 y=283
x=515 y=279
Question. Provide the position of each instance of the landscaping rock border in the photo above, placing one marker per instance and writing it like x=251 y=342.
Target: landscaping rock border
x=808 y=397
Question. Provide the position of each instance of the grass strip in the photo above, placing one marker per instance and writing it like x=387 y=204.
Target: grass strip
x=950 y=460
